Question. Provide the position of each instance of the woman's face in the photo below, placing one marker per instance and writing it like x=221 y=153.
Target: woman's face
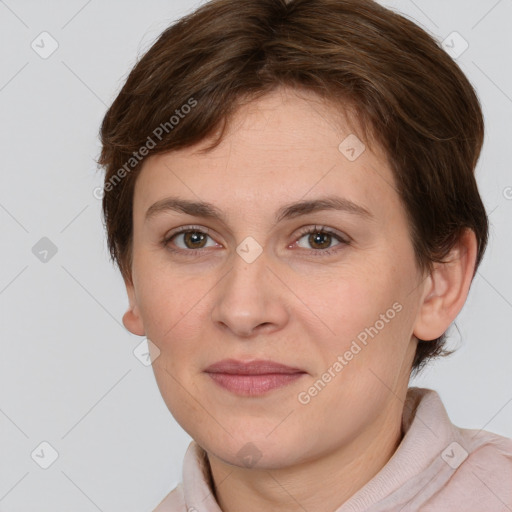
x=340 y=305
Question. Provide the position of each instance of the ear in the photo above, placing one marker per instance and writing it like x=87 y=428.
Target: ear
x=447 y=289
x=132 y=319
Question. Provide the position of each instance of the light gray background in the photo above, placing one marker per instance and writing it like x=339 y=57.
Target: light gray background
x=68 y=375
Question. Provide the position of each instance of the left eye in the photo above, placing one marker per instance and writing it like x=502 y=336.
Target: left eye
x=320 y=239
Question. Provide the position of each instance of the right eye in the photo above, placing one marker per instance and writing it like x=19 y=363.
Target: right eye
x=192 y=239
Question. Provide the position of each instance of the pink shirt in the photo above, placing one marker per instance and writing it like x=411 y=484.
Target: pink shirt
x=437 y=467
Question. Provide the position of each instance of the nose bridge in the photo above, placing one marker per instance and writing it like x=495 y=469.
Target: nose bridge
x=248 y=296
x=247 y=279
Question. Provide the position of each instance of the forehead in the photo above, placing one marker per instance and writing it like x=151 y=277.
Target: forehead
x=281 y=147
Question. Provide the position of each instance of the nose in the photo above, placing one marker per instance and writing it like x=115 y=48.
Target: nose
x=251 y=299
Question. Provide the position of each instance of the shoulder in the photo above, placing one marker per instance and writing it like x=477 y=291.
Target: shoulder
x=490 y=454
x=470 y=469
x=173 y=502
x=479 y=472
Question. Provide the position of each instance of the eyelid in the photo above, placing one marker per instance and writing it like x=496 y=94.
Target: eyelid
x=324 y=229
x=184 y=229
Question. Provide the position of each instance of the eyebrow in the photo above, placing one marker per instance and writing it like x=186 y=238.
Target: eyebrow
x=288 y=211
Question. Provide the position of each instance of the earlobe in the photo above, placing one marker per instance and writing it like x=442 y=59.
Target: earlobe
x=447 y=289
x=132 y=319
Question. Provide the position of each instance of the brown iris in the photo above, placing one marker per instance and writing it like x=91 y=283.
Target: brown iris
x=194 y=237
x=314 y=239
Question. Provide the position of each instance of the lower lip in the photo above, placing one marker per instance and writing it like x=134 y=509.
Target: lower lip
x=253 y=385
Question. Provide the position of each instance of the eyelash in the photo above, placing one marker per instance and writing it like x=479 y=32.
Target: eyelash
x=306 y=231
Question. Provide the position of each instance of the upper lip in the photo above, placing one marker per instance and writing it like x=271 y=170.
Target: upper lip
x=255 y=367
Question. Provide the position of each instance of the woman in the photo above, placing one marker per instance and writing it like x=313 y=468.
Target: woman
x=290 y=197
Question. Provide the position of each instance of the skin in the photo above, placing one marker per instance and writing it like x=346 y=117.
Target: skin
x=292 y=305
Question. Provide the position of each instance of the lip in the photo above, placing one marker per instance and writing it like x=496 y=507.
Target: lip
x=255 y=367
x=252 y=378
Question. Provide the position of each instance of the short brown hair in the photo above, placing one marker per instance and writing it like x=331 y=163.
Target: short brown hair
x=405 y=91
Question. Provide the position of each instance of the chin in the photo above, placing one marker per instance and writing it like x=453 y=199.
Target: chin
x=256 y=452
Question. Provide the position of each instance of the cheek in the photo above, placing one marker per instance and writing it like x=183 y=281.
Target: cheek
x=350 y=301
x=367 y=314
x=175 y=313
x=179 y=392
x=174 y=319
x=167 y=299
